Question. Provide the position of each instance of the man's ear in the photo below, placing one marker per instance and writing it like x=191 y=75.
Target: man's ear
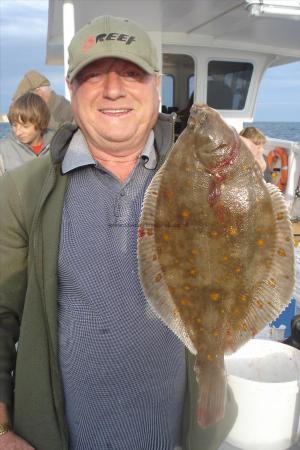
x=158 y=82
x=70 y=87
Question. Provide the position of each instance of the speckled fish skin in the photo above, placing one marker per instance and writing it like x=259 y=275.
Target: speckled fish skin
x=215 y=249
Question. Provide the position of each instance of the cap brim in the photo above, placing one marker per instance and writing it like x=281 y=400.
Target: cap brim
x=121 y=55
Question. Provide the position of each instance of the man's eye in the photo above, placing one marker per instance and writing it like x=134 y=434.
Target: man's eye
x=134 y=75
x=92 y=77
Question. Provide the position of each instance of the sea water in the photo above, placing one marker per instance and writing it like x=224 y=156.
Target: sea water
x=279 y=130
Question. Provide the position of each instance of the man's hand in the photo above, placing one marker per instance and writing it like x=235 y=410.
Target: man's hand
x=10 y=441
x=257 y=152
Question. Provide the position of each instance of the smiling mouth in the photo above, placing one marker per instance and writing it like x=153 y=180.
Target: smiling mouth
x=115 y=112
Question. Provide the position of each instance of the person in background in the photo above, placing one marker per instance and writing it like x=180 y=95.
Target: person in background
x=59 y=106
x=30 y=137
x=257 y=140
x=95 y=368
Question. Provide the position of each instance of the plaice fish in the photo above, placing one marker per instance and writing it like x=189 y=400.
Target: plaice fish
x=215 y=250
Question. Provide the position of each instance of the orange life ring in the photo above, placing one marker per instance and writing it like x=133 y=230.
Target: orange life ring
x=279 y=175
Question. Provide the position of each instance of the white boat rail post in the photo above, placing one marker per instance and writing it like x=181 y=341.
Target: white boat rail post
x=156 y=37
x=68 y=33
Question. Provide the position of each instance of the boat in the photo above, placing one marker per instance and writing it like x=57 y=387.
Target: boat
x=212 y=51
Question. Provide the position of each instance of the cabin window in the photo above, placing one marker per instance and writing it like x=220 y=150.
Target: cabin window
x=177 y=82
x=228 y=84
x=191 y=85
x=168 y=92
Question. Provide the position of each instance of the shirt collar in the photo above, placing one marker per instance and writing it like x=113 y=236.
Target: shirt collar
x=78 y=154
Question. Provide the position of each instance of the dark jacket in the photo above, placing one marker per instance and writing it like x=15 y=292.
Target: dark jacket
x=60 y=110
x=31 y=199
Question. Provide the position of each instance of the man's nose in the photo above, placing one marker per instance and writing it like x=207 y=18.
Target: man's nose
x=113 y=86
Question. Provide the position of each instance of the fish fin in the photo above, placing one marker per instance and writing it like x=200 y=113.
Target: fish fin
x=151 y=275
x=274 y=292
x=212 y=393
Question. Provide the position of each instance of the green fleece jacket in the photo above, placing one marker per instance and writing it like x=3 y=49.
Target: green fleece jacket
x=31 y=201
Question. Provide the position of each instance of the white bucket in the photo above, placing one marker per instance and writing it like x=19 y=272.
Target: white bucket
x=265 y=378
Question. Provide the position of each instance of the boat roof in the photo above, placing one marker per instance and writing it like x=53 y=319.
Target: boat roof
x=209 y=23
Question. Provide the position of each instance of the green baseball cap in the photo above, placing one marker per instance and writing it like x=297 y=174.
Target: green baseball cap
x=111 y=37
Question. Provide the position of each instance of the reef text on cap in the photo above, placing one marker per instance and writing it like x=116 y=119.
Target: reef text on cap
x=112 y=37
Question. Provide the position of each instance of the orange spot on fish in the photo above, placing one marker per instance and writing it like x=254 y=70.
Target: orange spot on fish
x=184 y=302
x=237 y=269
x=209 y=357
x=243 y=298
x=260 y=242
x=195 y=252
x=225 y=258
x=158 y=277
x=193 y=272
x=215 y=296
x=232 y=231
x=214 y=234
x=187 y=287
x=185 y=214
x=150 y=232
x=166 y=237
x=281 y=252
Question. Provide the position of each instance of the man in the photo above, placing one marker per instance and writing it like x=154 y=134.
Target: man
x=59 y=106
x=30 y=138
x=95 y=368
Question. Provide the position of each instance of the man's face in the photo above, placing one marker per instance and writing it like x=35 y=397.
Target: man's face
x=115 y=103
x=26 y=133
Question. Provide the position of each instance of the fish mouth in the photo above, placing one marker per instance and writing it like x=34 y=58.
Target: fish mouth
x=198 y=114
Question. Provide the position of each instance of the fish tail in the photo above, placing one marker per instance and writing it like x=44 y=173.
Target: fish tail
x=212 y=394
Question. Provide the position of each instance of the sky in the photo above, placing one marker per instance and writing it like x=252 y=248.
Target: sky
x=23 y=35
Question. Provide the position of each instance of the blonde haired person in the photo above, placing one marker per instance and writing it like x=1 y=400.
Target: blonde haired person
x=254 y=134
x=29 y=138
x=256 y=140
